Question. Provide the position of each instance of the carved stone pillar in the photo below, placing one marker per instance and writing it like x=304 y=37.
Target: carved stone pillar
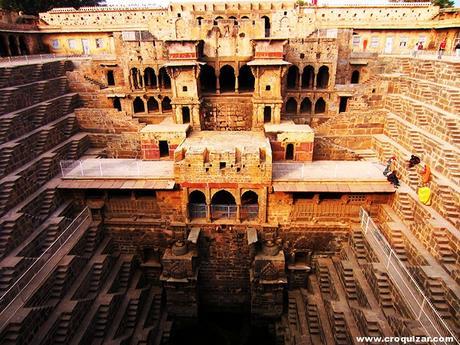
x=268 y=280
x=179 y=277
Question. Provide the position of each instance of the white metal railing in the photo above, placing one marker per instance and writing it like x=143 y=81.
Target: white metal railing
x=197 y=210
x=421 y=307
x=31 y=59
x=116 y=168
x=223 y=211
x=15 y=292
x=373 y=3
x=36 y=58
x=250 y=211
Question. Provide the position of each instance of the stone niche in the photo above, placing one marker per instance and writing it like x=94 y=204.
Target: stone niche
x=160 y=141
x=290 y=142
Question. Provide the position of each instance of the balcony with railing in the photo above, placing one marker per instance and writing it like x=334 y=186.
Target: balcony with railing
x=249 y=212
x=198 y=211
x=223 y=211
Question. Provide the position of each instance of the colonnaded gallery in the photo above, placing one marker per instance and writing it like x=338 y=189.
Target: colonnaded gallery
x=277 y=173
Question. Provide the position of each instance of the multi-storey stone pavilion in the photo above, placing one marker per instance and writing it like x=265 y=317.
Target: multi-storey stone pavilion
x=213 y=173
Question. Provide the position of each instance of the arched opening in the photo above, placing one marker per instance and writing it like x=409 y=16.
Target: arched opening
x=163 y=146
x=308 y=77
x=305 y=106
x=185 y=115
x=165 y=80
x=150 y=78
x=227 y=79
x=135 y=78
x=116 y=103
x=13 y=45
x=199 y=20
x=110 y=78
x=291 y=106
x=208 y=79
x=323 y=78
x=343 y=106
x=267 y=114
x=23 y=46
x=152 y=105
x=216 y=21
x=3 y=46
x=223 y=205
x=138 y=105
x=234 y=19
x=246 y=79
x=292 y=76
x=320 y=106
x=289 y=156
x=266 y=26
x=249 y=205
x=166 y=104
x=355 y=77
x=245 y=18
x=197 y=205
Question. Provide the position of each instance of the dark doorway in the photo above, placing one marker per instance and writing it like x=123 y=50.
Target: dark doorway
x=23 y=46
x=320 y=106
x=135 y=78
x=249 y=205
x=223 y=205
x=289 y=152
x=139 y=106
x=266 y=26
x=152 y=105
x=166 y=104
x=308 y=77
x=197 y=205
x=197 y=197
x=208 y=79
x=3 y=46
x=117 y=103
x=185 y=115
x=267 y=114
x=13 y=45
x=343 y=104
x=245 y=79
x=165 y=80
x=227 y=79
x=323 y=78
x=292 y=76
x=355 y=77
x=305 y=106
x=164 y=148
x=291 y=106
x=150 y=78
x=110 y=78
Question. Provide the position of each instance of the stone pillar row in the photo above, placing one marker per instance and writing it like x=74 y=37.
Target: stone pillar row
x=267 y=275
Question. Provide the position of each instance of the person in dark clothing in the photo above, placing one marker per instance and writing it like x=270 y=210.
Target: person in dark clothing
x=413 y=161
x=388 y=167
x=392 y=178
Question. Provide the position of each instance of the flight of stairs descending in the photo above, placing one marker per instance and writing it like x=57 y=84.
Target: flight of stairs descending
x=406 y=207
x=357 y=244
x=313 y=319
x=443 y=248
x=451 y=211
x=324 y=279
x=385 y=298
x=339 y=326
